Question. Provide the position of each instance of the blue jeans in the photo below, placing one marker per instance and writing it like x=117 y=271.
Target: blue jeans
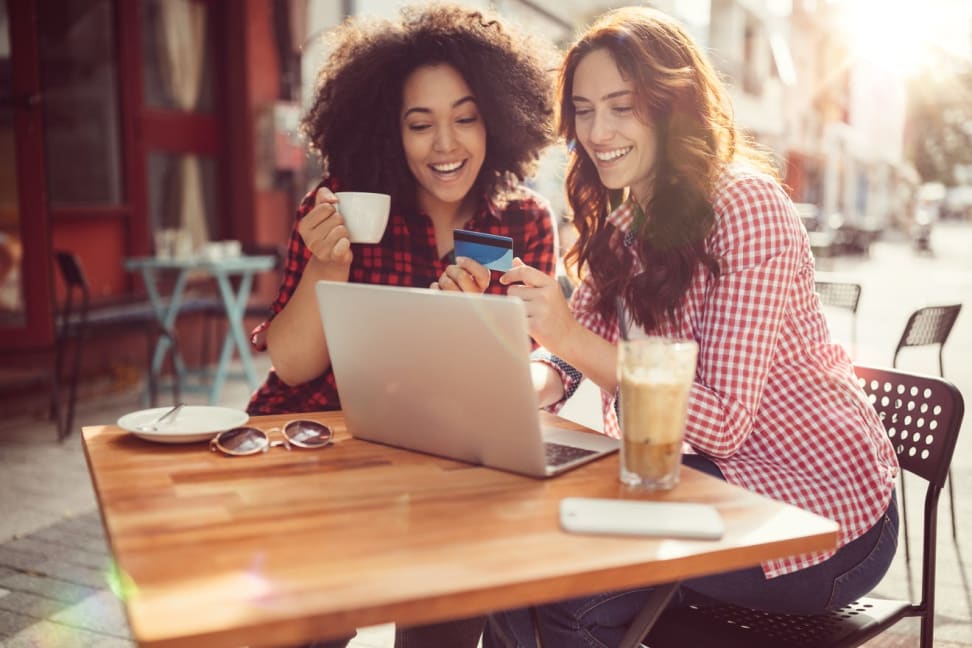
x=460 y=633
x=600 y=621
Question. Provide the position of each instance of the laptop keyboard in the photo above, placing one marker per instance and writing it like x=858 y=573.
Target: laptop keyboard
x=558 y=454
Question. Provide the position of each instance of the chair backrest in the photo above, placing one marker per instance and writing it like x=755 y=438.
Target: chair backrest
x=922 y=416
x=929 y=325
x=839 y=294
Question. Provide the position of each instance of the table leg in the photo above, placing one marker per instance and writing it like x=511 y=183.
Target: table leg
x=235 y=306
x=656 y=604
x=166 y=317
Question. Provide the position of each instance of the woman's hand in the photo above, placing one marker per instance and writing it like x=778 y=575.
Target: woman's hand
x=548 y=314
x=465 y=275
x=326 y=236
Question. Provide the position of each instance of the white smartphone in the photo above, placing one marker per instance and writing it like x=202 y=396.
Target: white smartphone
x=640 y=518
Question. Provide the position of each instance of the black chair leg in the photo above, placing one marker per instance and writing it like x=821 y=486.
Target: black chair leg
x=173 y=353
x=904 y=525
x=54 y=410
x=73 y=389
x=55 y=404
x=951 y=505
x=153 y=387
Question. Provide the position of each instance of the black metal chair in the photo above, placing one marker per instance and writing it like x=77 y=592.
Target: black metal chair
x=75 y=319
x=922 y=416
x=927 y=327
x=844 y=295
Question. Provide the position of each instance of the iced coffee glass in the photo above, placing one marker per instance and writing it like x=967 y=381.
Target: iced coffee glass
x=655 y=376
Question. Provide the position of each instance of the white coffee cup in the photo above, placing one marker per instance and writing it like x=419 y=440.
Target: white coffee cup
x=365 y=214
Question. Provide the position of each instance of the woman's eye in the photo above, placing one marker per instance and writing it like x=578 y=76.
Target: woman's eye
x=468 y=120
x=582 y=112
x=622 y=109
x=418 y=128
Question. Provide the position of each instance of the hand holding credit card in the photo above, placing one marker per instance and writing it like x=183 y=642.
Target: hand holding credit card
x=491 y=251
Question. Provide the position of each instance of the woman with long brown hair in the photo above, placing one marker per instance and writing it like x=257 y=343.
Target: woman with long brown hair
x=685 y=233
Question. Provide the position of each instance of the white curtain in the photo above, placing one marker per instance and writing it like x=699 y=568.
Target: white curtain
x=182 y=31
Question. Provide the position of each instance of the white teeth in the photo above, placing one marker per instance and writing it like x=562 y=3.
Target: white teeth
x=446 y=168
x=607 y=156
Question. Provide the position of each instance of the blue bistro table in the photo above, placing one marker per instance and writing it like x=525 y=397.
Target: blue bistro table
x=234 y=304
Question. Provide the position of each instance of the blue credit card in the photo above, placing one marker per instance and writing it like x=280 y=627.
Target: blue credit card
x=492 y=251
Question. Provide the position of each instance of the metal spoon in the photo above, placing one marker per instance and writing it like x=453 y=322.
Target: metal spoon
x=152 y=426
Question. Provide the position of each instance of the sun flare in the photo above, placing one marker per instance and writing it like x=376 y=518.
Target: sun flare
x=892 y=34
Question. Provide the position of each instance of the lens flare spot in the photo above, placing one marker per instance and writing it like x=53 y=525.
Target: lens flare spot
x=120 y=583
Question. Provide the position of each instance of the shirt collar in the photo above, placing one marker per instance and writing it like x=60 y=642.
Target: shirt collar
x=623 y=216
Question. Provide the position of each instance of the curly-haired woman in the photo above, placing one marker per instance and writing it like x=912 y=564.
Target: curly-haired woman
x=683 y=229
x=447 y=111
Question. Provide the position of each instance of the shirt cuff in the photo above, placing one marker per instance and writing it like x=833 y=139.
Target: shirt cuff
x=569 y=376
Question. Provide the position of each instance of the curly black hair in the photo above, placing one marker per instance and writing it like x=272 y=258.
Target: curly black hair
x=354 y=120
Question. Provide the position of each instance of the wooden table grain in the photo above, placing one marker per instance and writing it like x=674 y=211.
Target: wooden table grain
x=286 y=547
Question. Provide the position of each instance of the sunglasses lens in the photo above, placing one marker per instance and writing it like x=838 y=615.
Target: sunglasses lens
x=245 y=440
x=308 y=434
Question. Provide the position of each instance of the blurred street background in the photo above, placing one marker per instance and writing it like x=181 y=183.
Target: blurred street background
x=129 y=125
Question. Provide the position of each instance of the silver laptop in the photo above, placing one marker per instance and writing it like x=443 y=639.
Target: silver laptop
x=446 y=374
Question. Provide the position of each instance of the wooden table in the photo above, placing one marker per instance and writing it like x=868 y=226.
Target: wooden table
x=286 y=547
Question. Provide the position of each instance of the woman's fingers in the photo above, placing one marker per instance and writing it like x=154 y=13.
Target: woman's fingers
x=479 y=273
x=524 y=274
x=456 y=279
x=465 y=276
x=325 y=195
x=323 y=229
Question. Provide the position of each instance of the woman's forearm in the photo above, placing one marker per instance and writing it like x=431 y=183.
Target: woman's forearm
x=295 y=338
x=546 y=384
x=590 y=354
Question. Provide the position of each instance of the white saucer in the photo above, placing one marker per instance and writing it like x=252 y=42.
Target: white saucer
x=193 y=423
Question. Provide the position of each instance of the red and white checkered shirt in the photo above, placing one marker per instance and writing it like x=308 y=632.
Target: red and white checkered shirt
x=775 y=404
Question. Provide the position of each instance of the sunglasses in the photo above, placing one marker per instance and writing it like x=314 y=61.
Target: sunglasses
x=242 y=441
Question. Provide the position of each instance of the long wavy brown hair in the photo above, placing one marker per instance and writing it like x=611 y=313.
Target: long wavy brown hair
x=678 y=91
x=354 y=119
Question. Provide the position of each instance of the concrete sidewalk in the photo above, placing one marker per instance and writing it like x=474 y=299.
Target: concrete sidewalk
x=55 y=571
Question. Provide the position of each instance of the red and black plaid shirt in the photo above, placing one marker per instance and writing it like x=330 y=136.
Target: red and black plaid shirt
x=406 y=256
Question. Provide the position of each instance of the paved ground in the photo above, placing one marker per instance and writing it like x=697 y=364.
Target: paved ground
x=55 y=572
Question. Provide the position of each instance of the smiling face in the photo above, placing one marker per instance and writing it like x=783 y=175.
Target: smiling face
x=621 y=144
x=443 y=135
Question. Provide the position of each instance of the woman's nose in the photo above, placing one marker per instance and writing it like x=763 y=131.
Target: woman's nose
x=444 y=139
x=601 y=128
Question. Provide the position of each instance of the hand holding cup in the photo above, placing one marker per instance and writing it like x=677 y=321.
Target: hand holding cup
x=325 y=233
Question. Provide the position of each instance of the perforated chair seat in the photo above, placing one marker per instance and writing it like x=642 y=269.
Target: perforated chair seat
x=739 y=627
x=922 y=416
